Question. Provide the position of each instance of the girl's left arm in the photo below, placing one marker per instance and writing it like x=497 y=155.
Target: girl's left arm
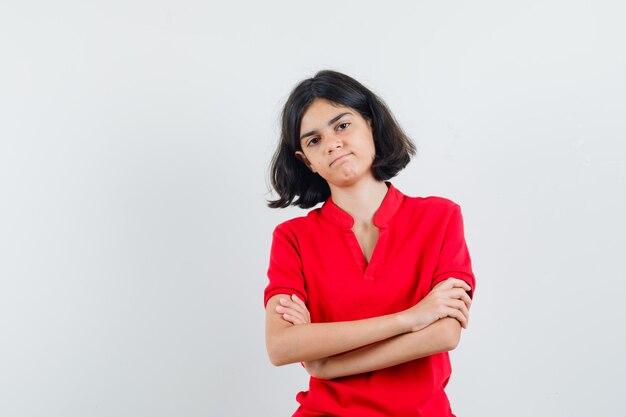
x=441 y=336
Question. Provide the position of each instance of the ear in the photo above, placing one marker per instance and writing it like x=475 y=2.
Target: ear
x=301 y=156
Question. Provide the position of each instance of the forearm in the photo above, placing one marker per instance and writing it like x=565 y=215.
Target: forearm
x=441 y=336
x=312 y=341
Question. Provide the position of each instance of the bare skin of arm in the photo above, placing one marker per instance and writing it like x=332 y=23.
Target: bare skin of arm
x=288 y=343
x=441 y=336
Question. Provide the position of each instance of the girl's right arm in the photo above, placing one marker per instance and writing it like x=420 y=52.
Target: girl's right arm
x=289 y=343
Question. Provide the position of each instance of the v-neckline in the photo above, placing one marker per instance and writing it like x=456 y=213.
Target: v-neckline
x=387 y=209
x=370 y=239
x=367 y=269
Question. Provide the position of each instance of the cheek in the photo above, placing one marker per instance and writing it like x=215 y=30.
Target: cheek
x=372 y=149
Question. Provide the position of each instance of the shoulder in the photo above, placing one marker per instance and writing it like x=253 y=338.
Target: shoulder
x=297 y=225
x=428 y=211
x=435 y=201
x=433 y=204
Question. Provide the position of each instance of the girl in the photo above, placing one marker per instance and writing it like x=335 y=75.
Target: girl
x=370 y=291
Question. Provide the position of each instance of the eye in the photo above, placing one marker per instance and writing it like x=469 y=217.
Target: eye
x=313 y=142
x=345 y=124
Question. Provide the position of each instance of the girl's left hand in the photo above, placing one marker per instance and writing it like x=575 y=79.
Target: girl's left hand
x=294 y=310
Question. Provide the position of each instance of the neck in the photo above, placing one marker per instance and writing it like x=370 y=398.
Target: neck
x=361 y=200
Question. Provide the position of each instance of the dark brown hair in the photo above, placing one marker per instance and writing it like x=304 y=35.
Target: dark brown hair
x=294 y=183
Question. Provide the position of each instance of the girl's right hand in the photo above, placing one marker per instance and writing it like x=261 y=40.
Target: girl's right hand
x=447 y=299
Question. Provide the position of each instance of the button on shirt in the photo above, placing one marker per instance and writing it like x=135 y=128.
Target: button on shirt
x=421 y=242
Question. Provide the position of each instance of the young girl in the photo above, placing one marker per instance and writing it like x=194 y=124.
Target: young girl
x=370 y=291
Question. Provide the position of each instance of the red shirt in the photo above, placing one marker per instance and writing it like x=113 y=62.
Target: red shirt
x=318 y=257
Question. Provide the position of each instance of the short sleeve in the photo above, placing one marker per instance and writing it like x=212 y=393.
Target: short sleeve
x=454 y=258
x=285 y=272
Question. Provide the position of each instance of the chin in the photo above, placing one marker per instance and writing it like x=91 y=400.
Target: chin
x=346 y=180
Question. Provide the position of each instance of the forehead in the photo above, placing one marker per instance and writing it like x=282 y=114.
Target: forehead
x=320 y=112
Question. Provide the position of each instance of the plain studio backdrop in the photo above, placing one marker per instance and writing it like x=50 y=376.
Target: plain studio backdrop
x=135 y=139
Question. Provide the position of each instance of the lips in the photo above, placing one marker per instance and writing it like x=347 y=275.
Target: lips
x=339 y=158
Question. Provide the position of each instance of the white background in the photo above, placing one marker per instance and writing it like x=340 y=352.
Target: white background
x=135 y=138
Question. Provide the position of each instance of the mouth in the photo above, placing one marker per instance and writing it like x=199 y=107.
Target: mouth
x=339 y=158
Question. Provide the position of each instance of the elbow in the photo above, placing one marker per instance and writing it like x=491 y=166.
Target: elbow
x=277 y=353
x=276 y=357
x=318 y=369
x=320 y=375
x=277 y=360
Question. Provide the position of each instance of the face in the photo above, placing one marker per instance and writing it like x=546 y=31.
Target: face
x=337 y=143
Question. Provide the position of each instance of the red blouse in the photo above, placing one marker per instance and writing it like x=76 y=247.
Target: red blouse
x=318 y=257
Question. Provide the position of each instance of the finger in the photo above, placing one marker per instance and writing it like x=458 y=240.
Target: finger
x=292 y=319
x=461 y=310
x=456 y=282
x=464 y=296
x=458 y=293
x=293 y=305
x=452 y=282
x=460 y=305
x=301 y=303
x=461 y=294
x=457 y=314
x=295 y=314
x=298 y=301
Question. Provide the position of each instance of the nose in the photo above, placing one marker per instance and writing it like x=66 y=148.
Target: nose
x=333 y=144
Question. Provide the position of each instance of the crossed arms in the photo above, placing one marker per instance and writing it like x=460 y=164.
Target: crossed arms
x=332 y=350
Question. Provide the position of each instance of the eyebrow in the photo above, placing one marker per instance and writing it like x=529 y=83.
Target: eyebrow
x=330 y=122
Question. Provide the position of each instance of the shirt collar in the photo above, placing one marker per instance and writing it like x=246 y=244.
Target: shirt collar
x=383 y=215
